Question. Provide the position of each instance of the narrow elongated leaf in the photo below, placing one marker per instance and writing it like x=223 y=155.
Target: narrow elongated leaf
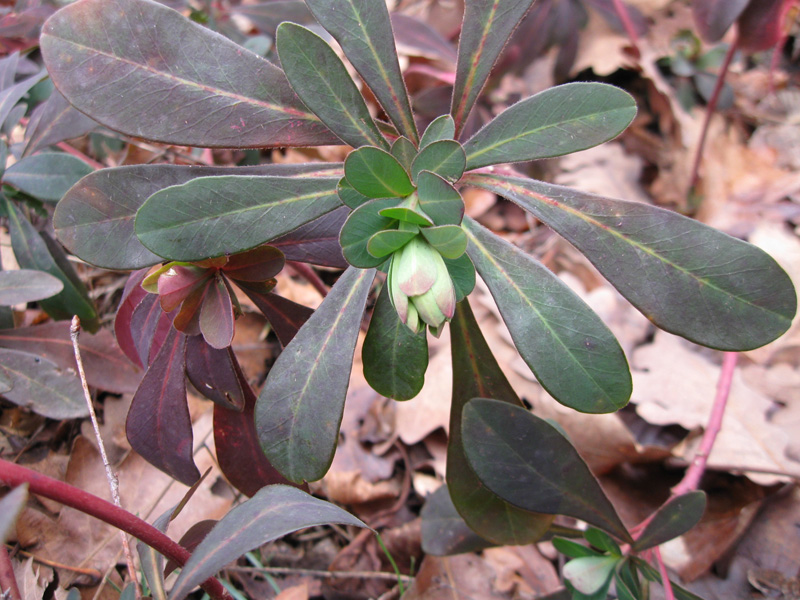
x=33 y=252
x=415 y=37
x=11 y=95
x=46 y=176
x=574 y=355
x=24 y=285
x=441 y=128
x=395 y=358
x=444 y=532
x=213 y=374
x=41 y=386
x=487 y=26
x=476 y=373
x=54 y=121
x=445 y=158
x=214 y=216
x=268 y=15
x=563 y=119
x=675 y=518
x=364 y=31
x=300 y=407
x=158 y=425
x=686 y=277
x=529 y=463
x=377 y=174
x=321 y=80
x=316 y=242
x=179 y=82
x=272 y=513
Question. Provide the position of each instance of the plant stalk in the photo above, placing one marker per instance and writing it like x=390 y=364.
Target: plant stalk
x=8 y=582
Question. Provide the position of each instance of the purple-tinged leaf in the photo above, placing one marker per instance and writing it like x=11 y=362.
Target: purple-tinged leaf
x=316 y=242
x=190 y=540
x=158 y=426
x=42 y=386
x=25 y=285
x=213 y=373
x=300 y=406
x=175 y=284
x=95 y=219
x=55 y=121
x=444 y=532
x=529 y=463
x=188 y=318
x=675 y=518
x=11 y=95
x=216 y=315
x=714 y=17
x=188 y=222
x=415 y=37
x=180 y=82
x=608 y=10
x=272 y=513
x=259 y=264
x=106 y=367
x=149 y=326
x=686 y=277
x=761 y=24
x=8 y=70
x=268 y=15
x=364 y=31
x=285 y=316
x=46 y=176
x=477 y=374
x=132 y=295
x=487 y=26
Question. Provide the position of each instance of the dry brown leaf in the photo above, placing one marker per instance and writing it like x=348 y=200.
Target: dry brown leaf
x=32 y=579
x=522 y=570
x=462 y=577
x=601 y=49
x=297 y=592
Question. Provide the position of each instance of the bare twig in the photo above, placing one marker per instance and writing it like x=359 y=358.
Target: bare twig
x=94 y=573
x=113 y=482
x=321 y=573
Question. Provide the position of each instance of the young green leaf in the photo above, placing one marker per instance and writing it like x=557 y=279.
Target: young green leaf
x=383 y=243
x=181 y=82
x=448 y=240
x=686 y=277
x=601 y=540
x=441 y=128
x=361 y=225
x=273 y=512
x=25 y=285
x=322 y=82
x=395 y=358
x=444 y=532
x=190 y=222
x=529 y=463
x=46 y=176
x=404 y=151
x=560 y=120
x=572 y=549
x=476 y=373
x=409 y=212
x=300 y=407
x=675 y=518
x=574 y=355
x=462 y=272
x=487 y=26
x=349 y=196
x=364 y=31
x=439 y=199
x=446 y=158
x=377 y=174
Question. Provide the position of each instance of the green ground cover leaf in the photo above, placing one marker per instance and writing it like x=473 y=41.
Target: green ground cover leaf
x=377 y=174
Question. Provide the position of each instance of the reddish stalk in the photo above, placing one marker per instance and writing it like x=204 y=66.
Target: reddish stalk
x=668 y=594
x=8 y=582
x=13 y=475
x=309 y=275
x=630 y=29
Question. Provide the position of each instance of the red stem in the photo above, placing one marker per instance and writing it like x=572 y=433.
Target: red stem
x=668 y=594
x=309 y=275
x=624 y=16
x=8 y=582
x=14 y=475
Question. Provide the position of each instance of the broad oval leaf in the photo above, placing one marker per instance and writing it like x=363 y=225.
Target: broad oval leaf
x=216 y=315
x=26 y=285
x=487 y=26
x=395 y=358
x=439 y=199
x=174 y=81
x=364 y=31
x=213 y=373
x=476 y=373
x=54 y=121
x=41 y=386
x=675 y=518
x=441 y=128
x=46 y=176
x=444 y=532
x=448 y=240
x=300 y=406
x=563 y=119
x=686 y=277
x=349 y=196
x=574 y=355
x=529 y=463
x=446 y=158
x=214 y=216
x=361 y=225
x=383 y=243
x=322 y=82
x=272 y=513
x=404 y=151
x=95 y=219
x=377 y=174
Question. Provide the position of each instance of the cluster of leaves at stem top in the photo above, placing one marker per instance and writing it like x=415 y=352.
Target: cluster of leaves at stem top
x=399 y=190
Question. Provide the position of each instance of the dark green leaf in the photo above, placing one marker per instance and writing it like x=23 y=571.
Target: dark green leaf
x=46 y=176
x=214 y=216
x=530 y=464
x=445 y=158
x=349 y=196
x=602 y=541
x=462 y=272
x=686 y=277
x=10 y=507
x=33 y=251
x=361 y=225
x=364 y=31
x=300 y=407
x=557 y=121
x=41 y=386
x=487 y=26
x=11 y=95
x=174 y=81
x=439 y=199
x=377 y=174
x=572 y=549
x=404 y=151
x=448 y=240
x=321 y=81
x=395 y=358
x=624 y=591
x=272 y=513
x=444 y=532
x=383 y=243
x=675 y=518
x=476 y=373
x=574 y=355
x=24 y=285
x=441 y=128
